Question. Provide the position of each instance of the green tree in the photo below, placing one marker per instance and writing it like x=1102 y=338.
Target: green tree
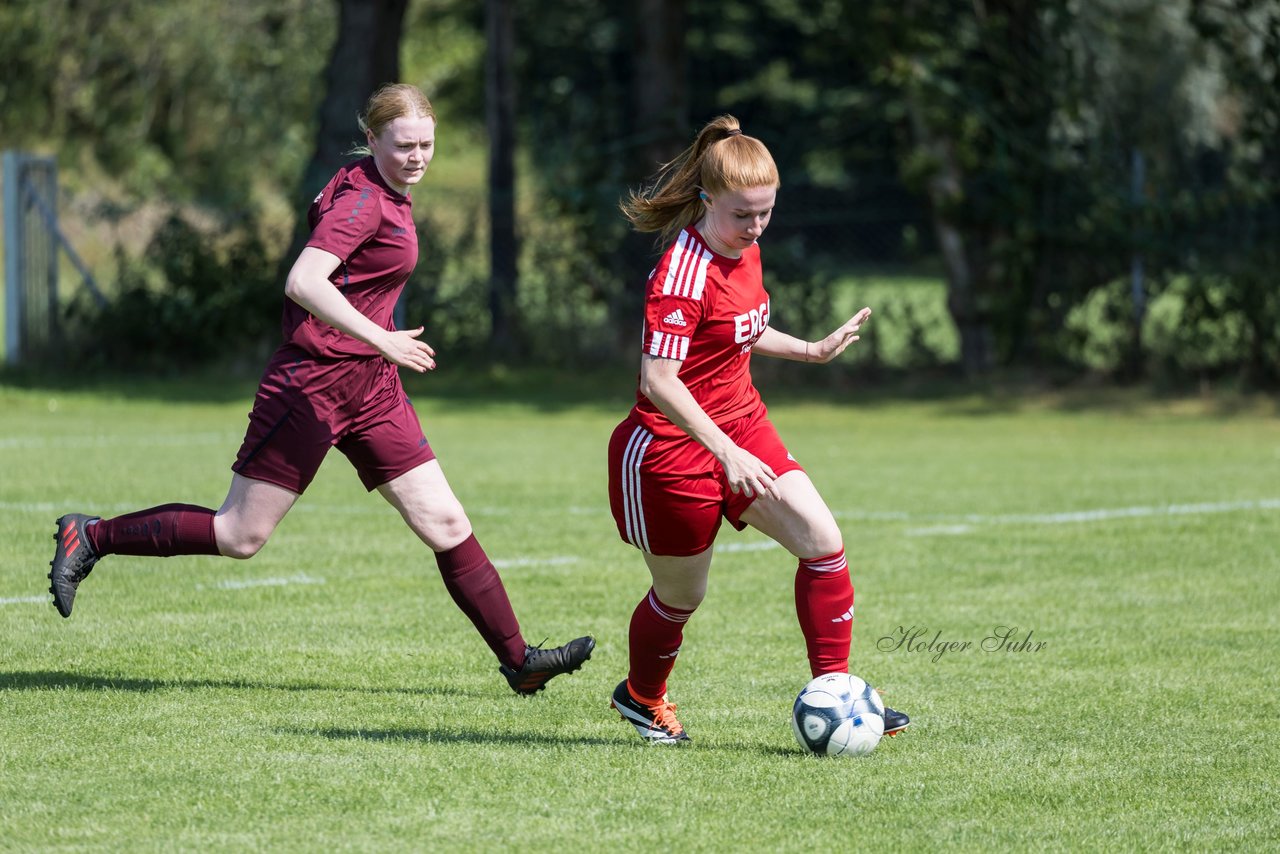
x=1240 y=228
x=365 y=55
x=181 y=100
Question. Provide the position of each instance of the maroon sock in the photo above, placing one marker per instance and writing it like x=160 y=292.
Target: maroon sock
x=164 y=531
x=477 y=589
x=657 y=630
x=824 y=604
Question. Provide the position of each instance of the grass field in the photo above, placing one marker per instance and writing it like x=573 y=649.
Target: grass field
x=327 y=695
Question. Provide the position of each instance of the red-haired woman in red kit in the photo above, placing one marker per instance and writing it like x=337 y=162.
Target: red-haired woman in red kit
x=335 y=382
x=698 y=445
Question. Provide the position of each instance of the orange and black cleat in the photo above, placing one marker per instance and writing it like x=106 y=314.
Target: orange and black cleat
x=655 y=722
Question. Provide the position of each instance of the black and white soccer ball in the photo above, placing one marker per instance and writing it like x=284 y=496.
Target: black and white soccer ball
x=838 y=715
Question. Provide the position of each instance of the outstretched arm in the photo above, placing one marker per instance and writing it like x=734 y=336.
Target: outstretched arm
x=784 y=346
x=308 y=285
x=660 y=382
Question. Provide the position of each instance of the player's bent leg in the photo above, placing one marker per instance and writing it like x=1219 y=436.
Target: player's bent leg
x=798 y=518
x=249 y=515
x=654 y=638
x=427 y=504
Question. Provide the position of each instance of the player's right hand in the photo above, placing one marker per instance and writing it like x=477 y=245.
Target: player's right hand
x=401 y=347
x=747 y=474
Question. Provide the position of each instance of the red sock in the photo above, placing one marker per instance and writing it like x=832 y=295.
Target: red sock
x=477 y=589
x=164 y=531
x=657 y=631
x=824 y=604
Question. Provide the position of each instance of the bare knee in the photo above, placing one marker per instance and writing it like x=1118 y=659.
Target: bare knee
x=442 y=530
x=825 y=542
x=441 y=526
x=239 y=541
x=680 y=582
x=684 y=599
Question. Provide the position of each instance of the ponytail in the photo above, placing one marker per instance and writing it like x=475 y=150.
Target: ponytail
x=721 y=158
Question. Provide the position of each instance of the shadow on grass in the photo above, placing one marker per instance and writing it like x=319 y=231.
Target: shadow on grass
x=624 y=739
x=454 y=737
x=38 y=680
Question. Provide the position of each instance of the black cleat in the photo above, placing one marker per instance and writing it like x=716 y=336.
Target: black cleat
x=72 y=560
x=657 y=724
x=542 y=665
x=894 y=722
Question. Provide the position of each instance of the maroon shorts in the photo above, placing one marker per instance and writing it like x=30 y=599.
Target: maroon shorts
x=669 y=494
x=305 y=406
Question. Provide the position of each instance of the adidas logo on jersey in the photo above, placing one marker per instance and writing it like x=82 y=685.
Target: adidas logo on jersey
x=845 y=617
x=675 y=318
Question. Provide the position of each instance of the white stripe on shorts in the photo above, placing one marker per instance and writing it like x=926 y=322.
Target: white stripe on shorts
x=633 y=510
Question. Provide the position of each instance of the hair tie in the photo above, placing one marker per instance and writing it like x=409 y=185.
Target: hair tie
x=735 y=132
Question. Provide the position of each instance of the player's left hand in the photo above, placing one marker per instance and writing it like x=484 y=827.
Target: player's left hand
x=401 y=347
x=834 y=344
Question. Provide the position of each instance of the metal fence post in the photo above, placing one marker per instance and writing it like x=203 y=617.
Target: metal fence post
x=13 y=308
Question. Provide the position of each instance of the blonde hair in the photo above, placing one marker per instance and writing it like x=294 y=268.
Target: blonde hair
x=722 y=158
x=390 y=102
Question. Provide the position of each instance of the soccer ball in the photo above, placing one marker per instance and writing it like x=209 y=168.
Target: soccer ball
x=838 y=715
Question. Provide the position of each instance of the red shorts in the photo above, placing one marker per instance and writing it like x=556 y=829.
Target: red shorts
x=304 y=407
x=669 y=494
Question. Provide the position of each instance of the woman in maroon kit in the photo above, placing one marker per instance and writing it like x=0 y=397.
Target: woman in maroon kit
x=334 y=382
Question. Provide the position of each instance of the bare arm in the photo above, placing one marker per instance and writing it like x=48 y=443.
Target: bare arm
x=308 y=285
x=660 y=382
x=784 y=346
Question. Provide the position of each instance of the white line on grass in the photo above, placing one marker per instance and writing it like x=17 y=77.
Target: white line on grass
x=244 y=584
x=1101 y=514
x=507 y=563
x=746 y=547
x=25 y=443
x=939 y=530
x=50 y=507
x=229 y=584
x=958 y=524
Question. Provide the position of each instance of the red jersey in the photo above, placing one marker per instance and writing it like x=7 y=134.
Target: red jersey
x=369 y=226
x=707 y=311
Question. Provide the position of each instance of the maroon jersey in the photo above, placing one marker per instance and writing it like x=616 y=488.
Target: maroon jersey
x=705 y=310
x=369 y=226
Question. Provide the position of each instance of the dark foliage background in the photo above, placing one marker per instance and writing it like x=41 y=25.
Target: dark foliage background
x=1092 y=187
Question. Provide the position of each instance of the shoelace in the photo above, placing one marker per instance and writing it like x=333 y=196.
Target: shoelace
x=664 y=714
x=531 y=652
